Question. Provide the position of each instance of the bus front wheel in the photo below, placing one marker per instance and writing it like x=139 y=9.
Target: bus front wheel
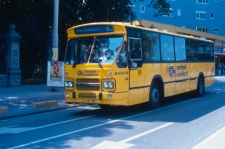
x=155 y=96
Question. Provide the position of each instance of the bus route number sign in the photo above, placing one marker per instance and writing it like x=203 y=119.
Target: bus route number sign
x=94 y=29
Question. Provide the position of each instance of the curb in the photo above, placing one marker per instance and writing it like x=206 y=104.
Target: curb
x=38 y=105
x=3 y=110
x=46 y=104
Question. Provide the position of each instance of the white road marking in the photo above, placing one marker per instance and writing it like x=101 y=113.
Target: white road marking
x=95 y=126
x=16 y=129
x=216 y=141
x=123 y=143
x=146 y=132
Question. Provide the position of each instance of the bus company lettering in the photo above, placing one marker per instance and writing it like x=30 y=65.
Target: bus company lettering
x=174 y=73
x=87 y=73
x=182 y=67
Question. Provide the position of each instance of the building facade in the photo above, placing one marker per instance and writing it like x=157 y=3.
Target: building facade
x=200 y=15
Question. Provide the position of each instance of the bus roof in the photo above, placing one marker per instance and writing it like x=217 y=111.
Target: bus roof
x=73 y=32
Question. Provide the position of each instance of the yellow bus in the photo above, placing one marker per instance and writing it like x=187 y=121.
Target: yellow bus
x=123 y=64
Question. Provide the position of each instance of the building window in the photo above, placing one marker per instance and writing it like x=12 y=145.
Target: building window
x=202 y=29
x=201 y=15
x=178 y=12
x=170 y=14
x=143 y=8
x=216 y=30
x=202 y=1
x=212 y=15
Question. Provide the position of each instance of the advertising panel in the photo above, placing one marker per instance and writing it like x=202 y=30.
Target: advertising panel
x=55 y=76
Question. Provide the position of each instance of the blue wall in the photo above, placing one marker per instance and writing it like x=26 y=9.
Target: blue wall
x=188 y=14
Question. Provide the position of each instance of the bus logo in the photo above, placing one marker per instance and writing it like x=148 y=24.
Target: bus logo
x=79 y=73
x=172 y=72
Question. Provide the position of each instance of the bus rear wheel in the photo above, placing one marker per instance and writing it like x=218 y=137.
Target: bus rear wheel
x=200 y=87
x=155 y=96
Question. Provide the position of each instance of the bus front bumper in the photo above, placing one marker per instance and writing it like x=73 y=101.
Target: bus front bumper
x=106 y=98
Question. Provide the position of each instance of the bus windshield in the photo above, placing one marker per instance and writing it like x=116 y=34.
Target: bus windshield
x=103 y=49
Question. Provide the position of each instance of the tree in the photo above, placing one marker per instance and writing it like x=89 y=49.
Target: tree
x=161 y=6
x=33 y=20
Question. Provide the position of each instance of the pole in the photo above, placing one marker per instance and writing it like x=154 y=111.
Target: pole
x=55 y=35
x=55 y=31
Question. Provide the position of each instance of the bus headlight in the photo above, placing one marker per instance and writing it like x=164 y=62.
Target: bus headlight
x=108 y=84
x=68 y=84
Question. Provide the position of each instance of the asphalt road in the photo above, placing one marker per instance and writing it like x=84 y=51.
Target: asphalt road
x=180 y=123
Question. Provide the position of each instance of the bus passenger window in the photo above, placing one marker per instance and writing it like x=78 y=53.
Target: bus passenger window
x=190 y=49
x=151 y=47
x=167 y=48
x=180 y=49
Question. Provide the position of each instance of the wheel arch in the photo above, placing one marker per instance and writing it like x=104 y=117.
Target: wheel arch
x=201 y=75
x=159 y=80
x=200 y=91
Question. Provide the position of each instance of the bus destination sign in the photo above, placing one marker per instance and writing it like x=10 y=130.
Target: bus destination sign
x=94 y=29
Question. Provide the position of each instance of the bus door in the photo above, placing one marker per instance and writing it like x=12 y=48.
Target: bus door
x=136 y=72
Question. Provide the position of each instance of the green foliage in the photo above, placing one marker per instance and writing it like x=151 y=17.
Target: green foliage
x=161 y=6
x=33 y=18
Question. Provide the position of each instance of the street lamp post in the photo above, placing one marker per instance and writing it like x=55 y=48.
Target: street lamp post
x=55 y=31
x=55 y=35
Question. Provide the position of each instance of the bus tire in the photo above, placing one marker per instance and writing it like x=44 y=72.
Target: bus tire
x=200 y=87
x=155 y=96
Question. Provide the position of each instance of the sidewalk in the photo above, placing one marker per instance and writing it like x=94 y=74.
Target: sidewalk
x=29 y=99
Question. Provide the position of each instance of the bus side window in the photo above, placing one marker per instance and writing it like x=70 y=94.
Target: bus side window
x=135 y=52
x=190 y=49
x=167 y=48
x=151 y=51
x=180 y=49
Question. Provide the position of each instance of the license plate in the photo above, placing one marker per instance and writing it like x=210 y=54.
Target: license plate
x=88 y=100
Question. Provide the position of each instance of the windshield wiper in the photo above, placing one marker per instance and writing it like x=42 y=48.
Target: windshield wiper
x=100 y=63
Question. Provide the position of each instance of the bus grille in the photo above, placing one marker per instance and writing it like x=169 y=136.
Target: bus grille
x=86 y=95
x=88 y=84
